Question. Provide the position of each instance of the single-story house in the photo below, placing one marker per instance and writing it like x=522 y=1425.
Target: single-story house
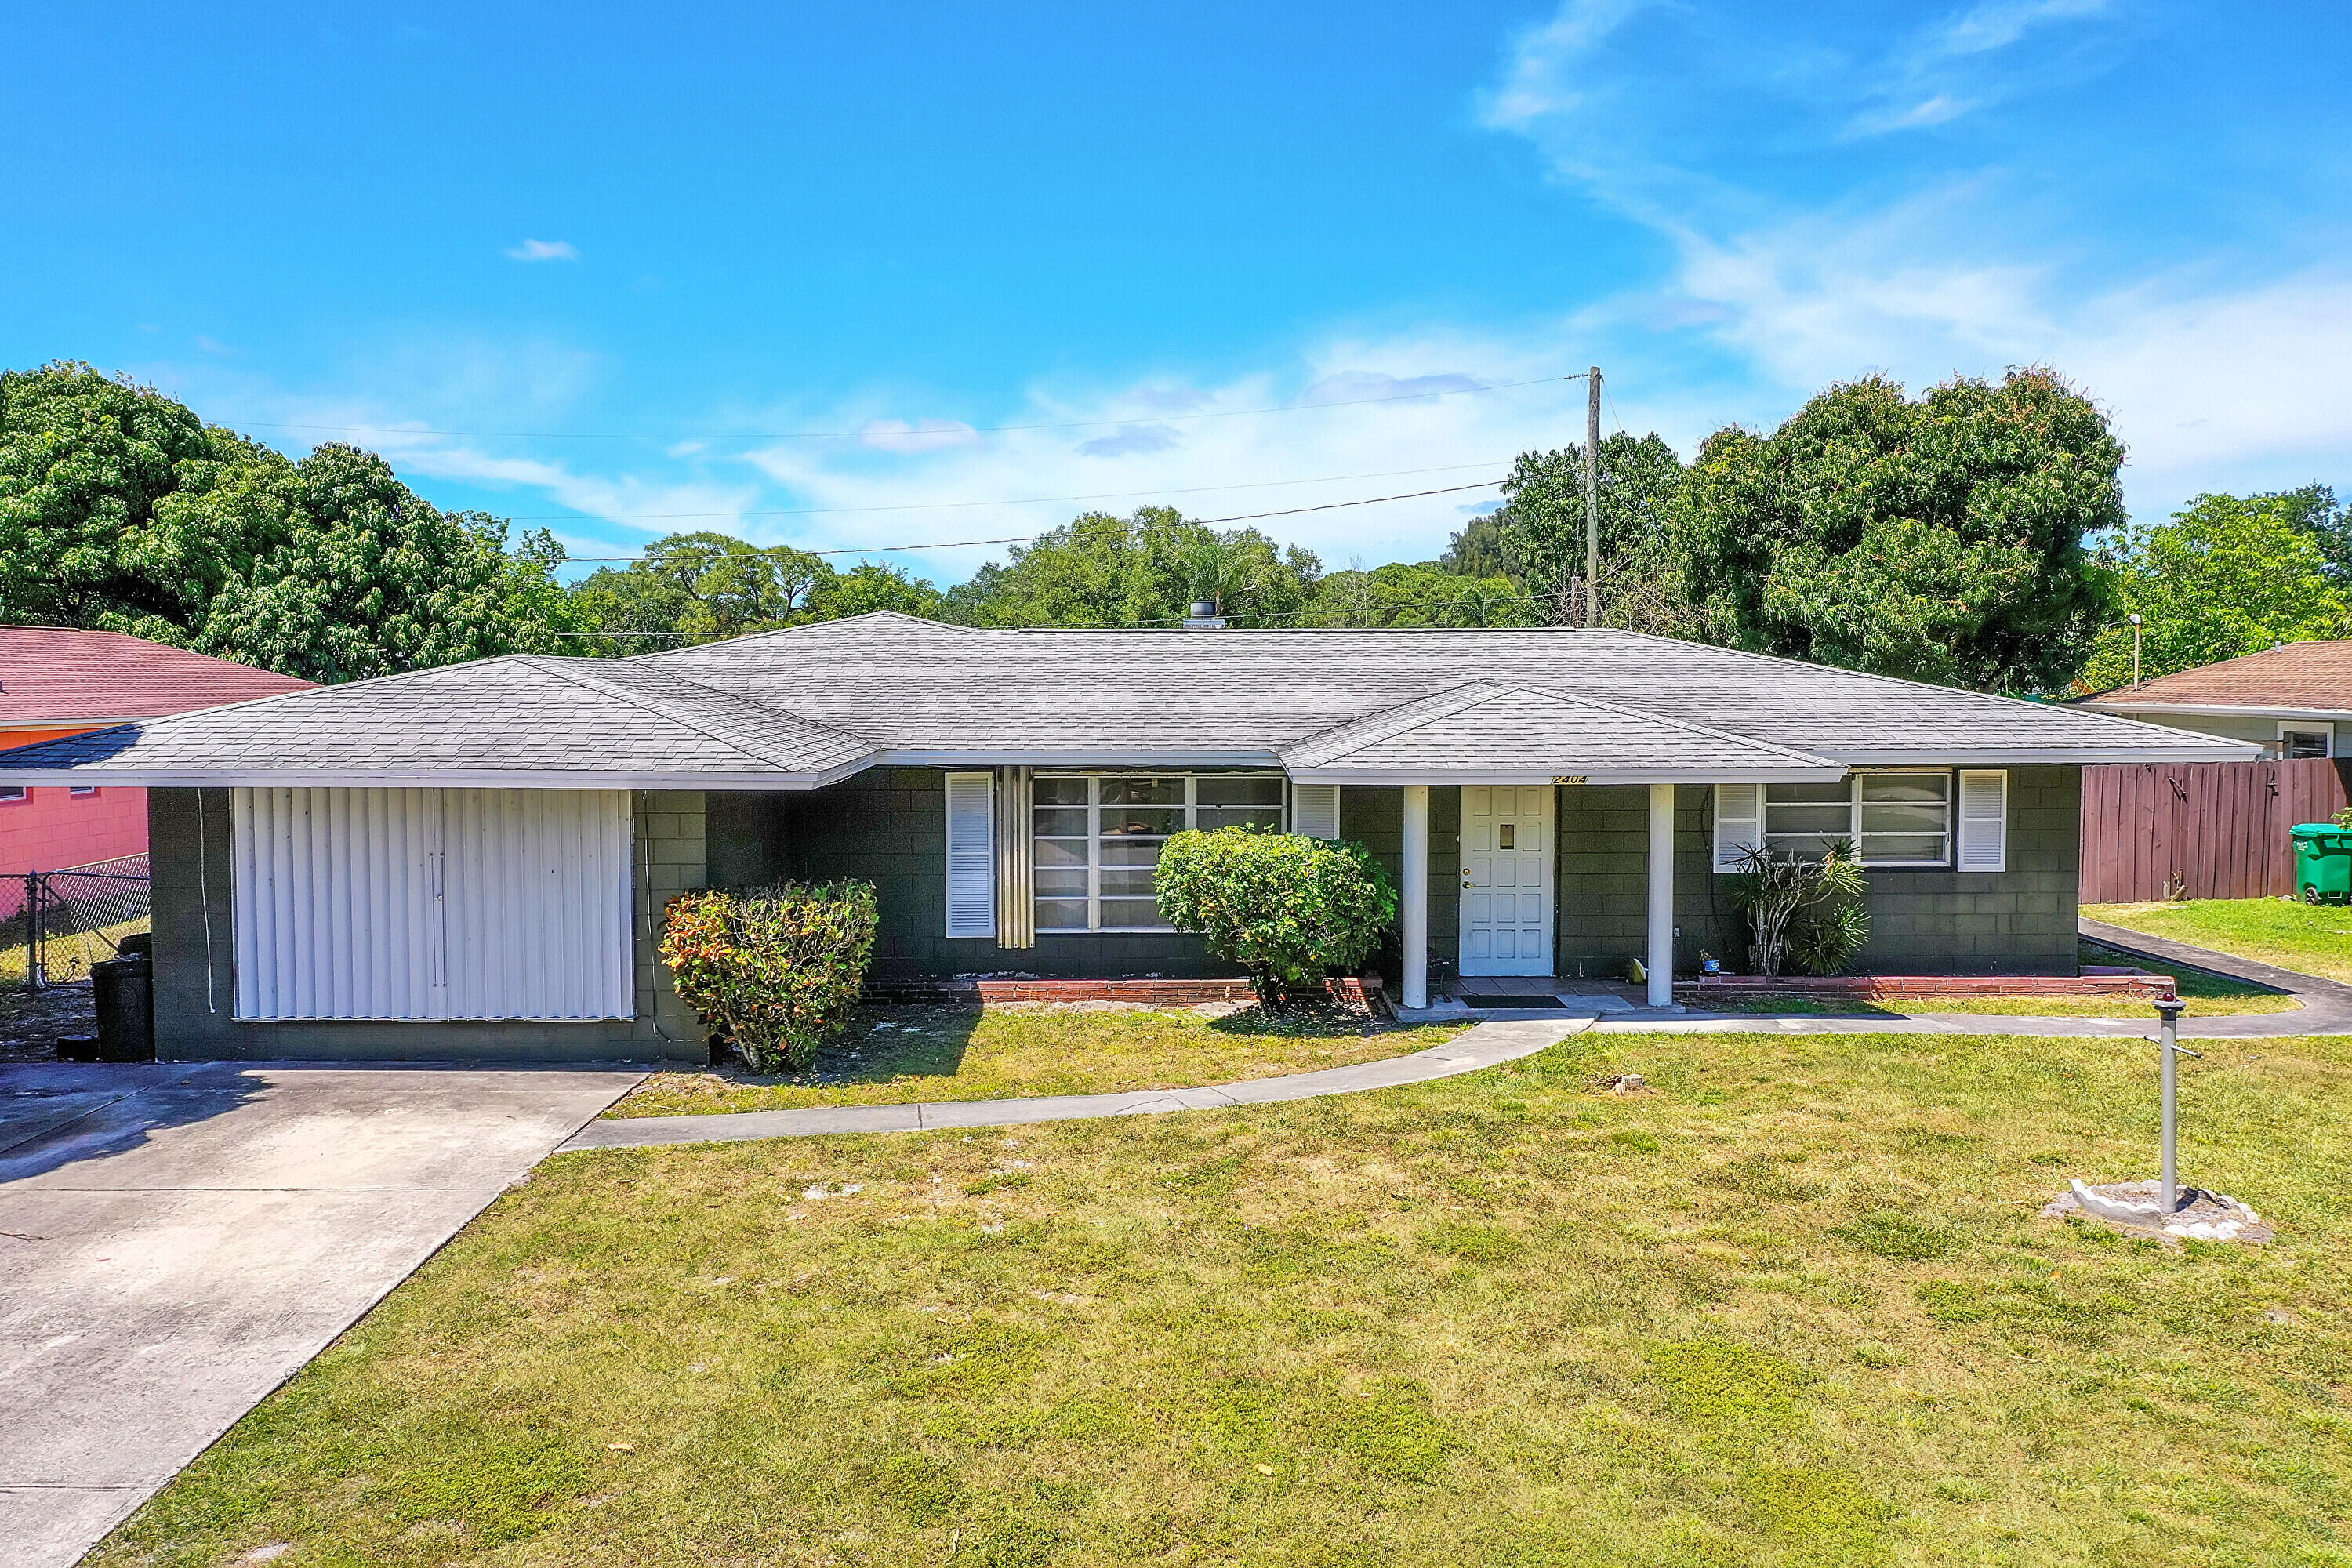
x=472 y=861
x=57 y=680
x=2294 y=700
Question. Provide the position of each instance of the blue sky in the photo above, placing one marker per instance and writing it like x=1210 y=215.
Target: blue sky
x=605 y=269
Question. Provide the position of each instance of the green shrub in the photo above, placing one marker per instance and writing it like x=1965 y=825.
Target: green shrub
x=1807 y=910
x=772 y=971
x=1288 y=908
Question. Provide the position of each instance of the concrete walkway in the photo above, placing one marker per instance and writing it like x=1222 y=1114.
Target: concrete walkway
x=177 y=1239
x=2326 y=1006
x=1506 y=1034
x=1484 y=1046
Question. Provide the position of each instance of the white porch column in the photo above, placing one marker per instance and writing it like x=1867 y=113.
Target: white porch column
x=1415 y=978
x=1661 y=959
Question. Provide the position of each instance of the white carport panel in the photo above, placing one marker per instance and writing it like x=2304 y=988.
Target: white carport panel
x=429 y=903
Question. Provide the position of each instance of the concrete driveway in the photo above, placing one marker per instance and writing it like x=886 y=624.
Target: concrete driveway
x=177 y=1239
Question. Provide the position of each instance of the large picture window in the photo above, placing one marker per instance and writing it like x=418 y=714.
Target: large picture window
x=1894 y=818
x=1098 y=839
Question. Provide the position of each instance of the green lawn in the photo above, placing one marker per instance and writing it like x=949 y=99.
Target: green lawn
x=2208 y=995
x=897 y=1054
x=2309 y=939
x=1793 y=1307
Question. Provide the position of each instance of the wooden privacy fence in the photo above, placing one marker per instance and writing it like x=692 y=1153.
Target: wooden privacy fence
x=2205 y=830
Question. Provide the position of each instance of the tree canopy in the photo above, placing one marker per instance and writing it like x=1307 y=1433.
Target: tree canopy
x=1423 y=595
x=1105 y=571
x=1974 y=536
x=121 y=511
x=2225 y=575
x=1540 y=530
x=703 y=586
x=1942 y=538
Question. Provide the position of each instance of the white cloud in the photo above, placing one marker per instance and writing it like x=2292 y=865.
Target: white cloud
x=1997 y=23
x=921 y=436
x=1128 y=439
x=2215 y=376
x=544 y=250
x=1214 y=467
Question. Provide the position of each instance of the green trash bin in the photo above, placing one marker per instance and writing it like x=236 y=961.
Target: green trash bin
x=2323 y=862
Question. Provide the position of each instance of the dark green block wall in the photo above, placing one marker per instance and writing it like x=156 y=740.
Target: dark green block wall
x=1374 y=817
x=2019 y=921
x=889 y=827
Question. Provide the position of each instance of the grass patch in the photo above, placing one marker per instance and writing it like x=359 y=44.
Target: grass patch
x=2208 y=995
x=2250 y=1001
x=1791 y=1306
x=2311 y=938
x=897 y=1055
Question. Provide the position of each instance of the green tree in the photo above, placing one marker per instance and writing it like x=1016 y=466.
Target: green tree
x=2316 y=511
x=1940 y=540
x=1476 y=550
x=1105 y=571
x=2226 y=575
x=1540 y=529
x=871 y=586
x=121 y=511
x=704 y=587
x=699 y=587
x=1423 y=594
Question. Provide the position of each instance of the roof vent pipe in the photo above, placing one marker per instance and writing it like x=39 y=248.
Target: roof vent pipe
x=1203 y=618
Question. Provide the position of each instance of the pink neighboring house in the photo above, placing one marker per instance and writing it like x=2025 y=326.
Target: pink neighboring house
x=56 y=681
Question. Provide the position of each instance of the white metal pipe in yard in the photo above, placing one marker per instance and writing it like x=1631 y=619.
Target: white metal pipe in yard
x=1416 y=896
x=1661 y=959
x=2169 y=1047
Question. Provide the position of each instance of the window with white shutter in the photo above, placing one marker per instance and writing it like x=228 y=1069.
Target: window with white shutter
x=1984 y=821
x=1314 y=810
x=972 y=854
x=1739 y=822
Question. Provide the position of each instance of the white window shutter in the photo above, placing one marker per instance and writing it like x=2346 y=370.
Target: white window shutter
x=972 y=855
x=1984 y=821
x=1739 y=822
x=1314 y=810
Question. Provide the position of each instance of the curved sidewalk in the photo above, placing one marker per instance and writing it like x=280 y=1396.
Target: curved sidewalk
x=2326 y=1010
x=1485 y=1045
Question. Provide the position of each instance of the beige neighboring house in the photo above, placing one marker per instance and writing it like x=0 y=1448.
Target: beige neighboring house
x=2293 y=701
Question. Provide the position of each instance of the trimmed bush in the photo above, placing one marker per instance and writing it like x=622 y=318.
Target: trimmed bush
x=1288 y=908
x=772 y=971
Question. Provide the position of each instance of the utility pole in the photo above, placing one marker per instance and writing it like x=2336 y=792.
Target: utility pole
x=1592 y=497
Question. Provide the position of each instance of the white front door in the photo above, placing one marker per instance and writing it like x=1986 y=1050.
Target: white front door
x=1507 y=879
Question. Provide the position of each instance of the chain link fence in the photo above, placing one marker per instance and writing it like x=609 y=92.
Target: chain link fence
x=54 y=924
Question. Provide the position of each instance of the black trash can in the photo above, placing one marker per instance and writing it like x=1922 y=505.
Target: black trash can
x=125 y=989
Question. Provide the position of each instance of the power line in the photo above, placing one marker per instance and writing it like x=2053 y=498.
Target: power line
x=1026 y=538
x=951 y=505
x=852 y=435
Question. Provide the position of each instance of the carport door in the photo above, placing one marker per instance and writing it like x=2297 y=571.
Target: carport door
x=432 y=903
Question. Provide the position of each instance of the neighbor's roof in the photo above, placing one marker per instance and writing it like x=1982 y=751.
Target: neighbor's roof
x=798 y=708
x=2303 y=677
x=51 y=676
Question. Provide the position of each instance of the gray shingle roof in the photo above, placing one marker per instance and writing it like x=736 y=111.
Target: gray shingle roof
x=800 y=707
x=581 y=721
x=1514 y=734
